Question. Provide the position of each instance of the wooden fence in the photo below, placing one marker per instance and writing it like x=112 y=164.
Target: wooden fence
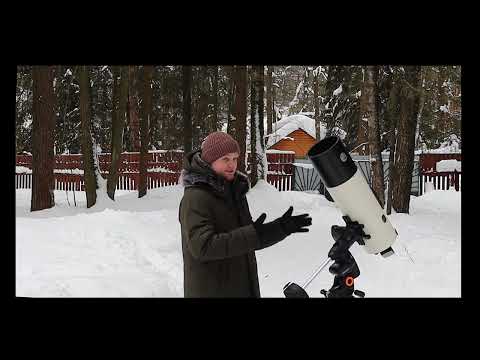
x=167 y=163
x=127 y=181
x=428 y=161
x=441 y=180
x=280 y=169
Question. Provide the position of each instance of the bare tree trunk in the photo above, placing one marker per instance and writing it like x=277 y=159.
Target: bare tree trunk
x=269 y=100
x=239 y=78
x=118 y=125
x=94 y=103
x=405 y=151
x=329 y=98
x=257 y=141
x=187 y=109
x=87 y=149
x=420 y=111
x=60 y=133
x=133 y=109
x=43 y=160
x=231 y=116
x=214 y=124
x=362 y=145
x=116 y=73
x=316 y=105
x=146 y=113
x=253 y=133
x=105 y=101
x=370 y=88
x=201 y=113
x=154 y=117
x=305 y=89
x=392 y=114
x=442 y=103
x=274 y=91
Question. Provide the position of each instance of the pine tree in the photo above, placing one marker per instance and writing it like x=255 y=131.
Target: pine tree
x=342 y=102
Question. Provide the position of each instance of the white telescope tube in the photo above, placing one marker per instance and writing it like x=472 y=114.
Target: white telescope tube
x=355 y=199
x=351 y=194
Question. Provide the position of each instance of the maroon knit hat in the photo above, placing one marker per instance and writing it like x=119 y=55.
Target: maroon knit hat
x=218 y=144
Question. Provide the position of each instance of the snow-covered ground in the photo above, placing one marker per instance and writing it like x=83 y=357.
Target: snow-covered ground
x=132 y=248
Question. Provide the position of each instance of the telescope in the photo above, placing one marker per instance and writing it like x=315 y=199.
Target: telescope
x=365 y=220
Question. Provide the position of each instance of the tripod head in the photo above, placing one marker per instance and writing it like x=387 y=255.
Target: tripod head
x=344 y=267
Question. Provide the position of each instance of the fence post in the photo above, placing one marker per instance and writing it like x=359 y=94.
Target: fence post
x=422 y=185
x=292 y=187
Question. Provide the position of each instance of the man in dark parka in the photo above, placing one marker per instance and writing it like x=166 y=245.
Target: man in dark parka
x=219 y=237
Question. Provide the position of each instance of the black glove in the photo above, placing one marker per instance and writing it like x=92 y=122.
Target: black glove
x=277 y=230
x=292 y=224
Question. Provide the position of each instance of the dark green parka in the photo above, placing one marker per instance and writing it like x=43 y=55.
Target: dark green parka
x=218 y=237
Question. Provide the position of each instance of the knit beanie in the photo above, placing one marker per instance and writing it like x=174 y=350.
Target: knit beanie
x=218 y=144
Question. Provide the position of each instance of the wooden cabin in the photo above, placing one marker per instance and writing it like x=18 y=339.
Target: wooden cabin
x=300 y=145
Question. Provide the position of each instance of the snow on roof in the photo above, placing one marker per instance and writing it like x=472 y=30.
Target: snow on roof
x=287 y=125
x=451 y=145
x=450 y=149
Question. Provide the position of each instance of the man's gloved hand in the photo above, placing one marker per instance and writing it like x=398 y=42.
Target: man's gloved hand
x=292 y=224
x=277 y=230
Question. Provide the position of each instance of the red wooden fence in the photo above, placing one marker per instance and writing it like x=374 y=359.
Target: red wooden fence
x=126 y=181
x=428 y=161
x=441 y=180
x=129 y=162
x=280 y=167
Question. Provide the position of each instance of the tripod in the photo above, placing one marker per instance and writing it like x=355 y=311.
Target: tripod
x=344 y=267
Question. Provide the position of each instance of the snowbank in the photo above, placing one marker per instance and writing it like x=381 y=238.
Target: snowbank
x=132 y=247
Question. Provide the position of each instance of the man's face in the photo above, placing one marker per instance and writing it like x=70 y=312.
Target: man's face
x=226 y=166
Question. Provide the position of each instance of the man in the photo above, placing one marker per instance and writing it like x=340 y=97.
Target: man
x=219 y=237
